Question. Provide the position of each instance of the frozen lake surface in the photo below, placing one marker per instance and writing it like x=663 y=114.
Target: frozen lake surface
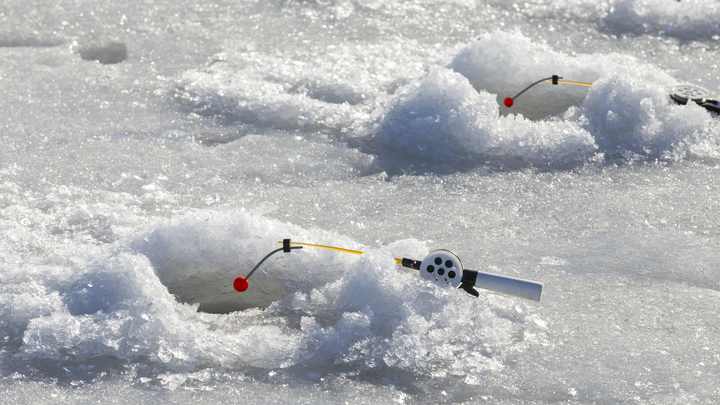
x=155 y=151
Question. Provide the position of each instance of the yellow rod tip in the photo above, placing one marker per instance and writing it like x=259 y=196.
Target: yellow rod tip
x=355 y=252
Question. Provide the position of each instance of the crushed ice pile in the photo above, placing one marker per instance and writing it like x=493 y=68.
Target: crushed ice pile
x=330 y=309
x=452 y=111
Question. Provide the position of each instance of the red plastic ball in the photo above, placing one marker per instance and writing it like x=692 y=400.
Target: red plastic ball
x=509 y=102
x=241 y=284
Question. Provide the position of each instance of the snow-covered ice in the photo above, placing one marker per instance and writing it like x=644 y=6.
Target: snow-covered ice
x=154 y=151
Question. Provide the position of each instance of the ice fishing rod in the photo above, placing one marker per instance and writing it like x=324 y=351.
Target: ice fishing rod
x=554 y=79
x=680 y=94
x=441 y=266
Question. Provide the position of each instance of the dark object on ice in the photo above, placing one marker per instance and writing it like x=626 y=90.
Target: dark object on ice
x=113 y=52
x=681 y=95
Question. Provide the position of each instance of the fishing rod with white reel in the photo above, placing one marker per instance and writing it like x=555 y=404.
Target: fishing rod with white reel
x=681 y=94
x=444 y=267
x=441 y=266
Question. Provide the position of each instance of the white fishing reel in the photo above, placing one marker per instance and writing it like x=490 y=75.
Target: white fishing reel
x=683 y=93
x=687 y=92
x=442 y=266
x=445 y=268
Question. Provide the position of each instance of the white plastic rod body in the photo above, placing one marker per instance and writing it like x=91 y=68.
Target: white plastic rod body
x=530 y=290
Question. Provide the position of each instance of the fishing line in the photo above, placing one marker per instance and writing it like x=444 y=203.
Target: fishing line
x=554 y=79
x=413 y=264
x=355 y=252
x=241 y=283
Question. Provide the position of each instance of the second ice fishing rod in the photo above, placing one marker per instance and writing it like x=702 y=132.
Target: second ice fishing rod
x=681 y=94
x=441 y=266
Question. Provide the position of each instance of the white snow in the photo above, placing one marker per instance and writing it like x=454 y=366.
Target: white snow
x=153 y=152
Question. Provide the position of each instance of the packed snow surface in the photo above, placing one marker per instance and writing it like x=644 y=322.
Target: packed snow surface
x=155 y=151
